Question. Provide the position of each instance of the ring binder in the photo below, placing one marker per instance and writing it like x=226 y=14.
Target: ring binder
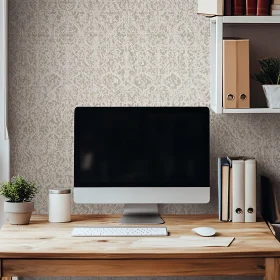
x=250 y=190
x=236 y=77
x=238 y=191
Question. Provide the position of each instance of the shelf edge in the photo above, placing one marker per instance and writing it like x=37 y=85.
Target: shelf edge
x=252 y=111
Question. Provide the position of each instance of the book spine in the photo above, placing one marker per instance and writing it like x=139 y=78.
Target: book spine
x=238 y=7
x=220 y=188
x=251 y=7
x=230 y=194
x=225 y=190
x=263 y=7
x=228 y=8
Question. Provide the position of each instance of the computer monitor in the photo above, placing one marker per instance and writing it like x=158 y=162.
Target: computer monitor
x=141 y=157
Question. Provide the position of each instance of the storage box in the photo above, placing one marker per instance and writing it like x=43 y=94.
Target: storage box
x=236 y=73
x=211 y=7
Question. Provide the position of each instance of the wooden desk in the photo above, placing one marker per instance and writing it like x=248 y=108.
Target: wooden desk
x=47 y=249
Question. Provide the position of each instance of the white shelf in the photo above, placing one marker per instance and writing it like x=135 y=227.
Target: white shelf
x=249 y=19
x=216 y=58
x=251 y=111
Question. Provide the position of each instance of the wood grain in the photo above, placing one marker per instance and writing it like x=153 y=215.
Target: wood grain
x=6 y=278
x=152 y=267
x=272 y=270
x=41 y=239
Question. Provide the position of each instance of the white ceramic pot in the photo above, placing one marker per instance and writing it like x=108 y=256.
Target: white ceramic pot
x=272 y=94
x=19 y=213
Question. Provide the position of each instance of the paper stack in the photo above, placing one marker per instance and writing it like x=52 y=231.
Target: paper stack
x=275 y=8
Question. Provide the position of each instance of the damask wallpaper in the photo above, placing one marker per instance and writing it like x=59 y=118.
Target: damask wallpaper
x=68 y=53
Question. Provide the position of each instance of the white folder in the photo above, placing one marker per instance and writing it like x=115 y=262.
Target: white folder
x=238 y=191
x=250 y=190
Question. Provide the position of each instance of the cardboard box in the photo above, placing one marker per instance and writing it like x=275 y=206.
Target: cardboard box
x=211 y=7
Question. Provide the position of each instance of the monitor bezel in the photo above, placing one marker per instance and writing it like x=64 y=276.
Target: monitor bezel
x=77 y=184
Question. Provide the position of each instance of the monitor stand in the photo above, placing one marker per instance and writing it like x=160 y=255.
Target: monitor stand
x=141 y=214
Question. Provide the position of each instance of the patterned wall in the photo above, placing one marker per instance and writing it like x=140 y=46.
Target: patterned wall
x=68 y=53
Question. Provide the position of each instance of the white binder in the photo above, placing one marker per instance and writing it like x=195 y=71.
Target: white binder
x=238 y=191
x=250 y=190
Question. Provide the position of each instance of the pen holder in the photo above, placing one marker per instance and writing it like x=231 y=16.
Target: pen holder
x=59 y=205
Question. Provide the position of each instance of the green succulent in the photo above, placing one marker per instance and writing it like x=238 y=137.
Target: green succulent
x=18 y=190
x=269 y=72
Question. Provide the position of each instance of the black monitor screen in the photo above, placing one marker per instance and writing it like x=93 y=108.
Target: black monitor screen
x=141 y=147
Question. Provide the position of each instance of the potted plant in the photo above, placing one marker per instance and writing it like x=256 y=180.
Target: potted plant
x=269 y=77
x=19 y=193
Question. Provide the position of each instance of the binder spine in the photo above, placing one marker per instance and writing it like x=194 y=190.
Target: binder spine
x=243 y=74
x=238 y=191
x=229 y=73
x=250 y=190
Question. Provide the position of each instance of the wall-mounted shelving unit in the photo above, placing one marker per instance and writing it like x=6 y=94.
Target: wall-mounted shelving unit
x=216 y=52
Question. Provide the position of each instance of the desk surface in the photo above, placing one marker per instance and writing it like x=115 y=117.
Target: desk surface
x=41 y=239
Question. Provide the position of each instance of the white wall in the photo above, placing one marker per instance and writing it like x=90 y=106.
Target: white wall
x=4 y=139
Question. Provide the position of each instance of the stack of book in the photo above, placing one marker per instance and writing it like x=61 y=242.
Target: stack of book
x=237 y=189
x=235 y=7
x=275 y=8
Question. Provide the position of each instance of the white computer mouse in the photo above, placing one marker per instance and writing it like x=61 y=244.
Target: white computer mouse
x=204 y=231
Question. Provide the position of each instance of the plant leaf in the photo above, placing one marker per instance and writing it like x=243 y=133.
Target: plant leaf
x=269 y=72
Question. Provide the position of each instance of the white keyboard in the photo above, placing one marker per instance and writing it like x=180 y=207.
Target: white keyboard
x=119 y=231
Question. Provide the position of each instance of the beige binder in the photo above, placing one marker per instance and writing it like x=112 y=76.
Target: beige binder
x=225 y=194
x=243 y=74
x=229 y=74
x=236 y=75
